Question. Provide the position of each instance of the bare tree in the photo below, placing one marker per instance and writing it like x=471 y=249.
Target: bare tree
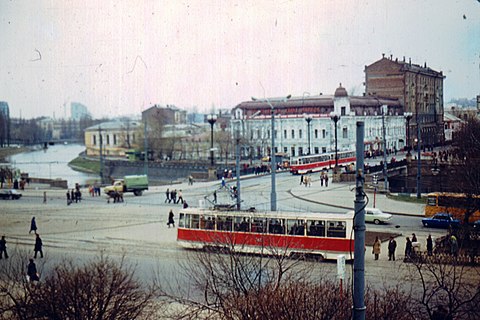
x=102 y=289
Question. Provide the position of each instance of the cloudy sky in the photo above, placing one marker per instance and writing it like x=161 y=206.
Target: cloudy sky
x=120 y=57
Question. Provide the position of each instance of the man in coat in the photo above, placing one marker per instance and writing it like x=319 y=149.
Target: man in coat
x=392 y=246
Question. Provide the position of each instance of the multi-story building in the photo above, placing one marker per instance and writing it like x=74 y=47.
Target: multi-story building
x=79 y=111
x=165 y=115
x=114 y=137
x=419 y=90
x=306 y=123
x=4 y=123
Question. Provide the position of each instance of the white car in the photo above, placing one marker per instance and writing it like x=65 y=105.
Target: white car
x=376 y=216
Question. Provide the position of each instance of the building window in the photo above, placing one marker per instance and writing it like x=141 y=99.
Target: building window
x=94 y=140
x=108 y=139
x=316 y=150
x=316 y=133
x=293 y=134
x=285 y=134
x=268 y=134
x=343 y=111
x=285 y=150
x=114 y=139
x=275 y=134
x=324 y=133
x=293 y=151
x=324 y=149
x=300 y=151
x=300 y=134
x=345 y=133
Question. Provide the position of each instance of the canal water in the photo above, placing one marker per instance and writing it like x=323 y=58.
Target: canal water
x=52 y=163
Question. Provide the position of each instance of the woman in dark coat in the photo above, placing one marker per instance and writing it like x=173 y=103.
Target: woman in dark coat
x=170 y=219
x=33 y=226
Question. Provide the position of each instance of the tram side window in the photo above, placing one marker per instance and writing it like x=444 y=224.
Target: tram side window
x=242 y=224
x=316 y=228
x=276 y=226
x=207 y=222
x=258 y=225
x=195 y=221
x=295 y=227
x=336 y=229
x=224 y=223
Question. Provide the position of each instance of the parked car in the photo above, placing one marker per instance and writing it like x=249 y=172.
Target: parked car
x=441 y=220
x=377 y=216
x=8 y=194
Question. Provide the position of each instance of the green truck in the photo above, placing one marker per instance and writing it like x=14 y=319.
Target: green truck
x=134 y=183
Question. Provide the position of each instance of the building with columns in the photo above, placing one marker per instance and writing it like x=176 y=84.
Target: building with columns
x=298 y=118
x=419 y=90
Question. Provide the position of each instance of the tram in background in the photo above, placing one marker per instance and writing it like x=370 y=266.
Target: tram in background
x=457 y=204
x=312 y=235
x=320 y=162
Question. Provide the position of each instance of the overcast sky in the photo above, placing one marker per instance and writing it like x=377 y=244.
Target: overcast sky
x=120 y=57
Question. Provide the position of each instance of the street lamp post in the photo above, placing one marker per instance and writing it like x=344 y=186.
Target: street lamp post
x=408 y=117
x=385 y=169
x=308 y=118
x=273 y=160
x=211 y=118
x=335 y=118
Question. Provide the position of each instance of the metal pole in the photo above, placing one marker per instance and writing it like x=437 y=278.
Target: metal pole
x=238 y=167
x=308 y=133
x=100 y=140
x=385 y=169
x=273 y=164
x=359 y=231
x=336 y=148
x=419 y=163
x=145 y=141
x=211 y=143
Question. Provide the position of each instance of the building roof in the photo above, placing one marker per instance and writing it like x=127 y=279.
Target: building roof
x=114 y=125
x=448 y=117
x=341 y=92
x=409 y=67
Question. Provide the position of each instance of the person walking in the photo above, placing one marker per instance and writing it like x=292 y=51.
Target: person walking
x=172 y=195
x=32 y=271
x=215 y=196
x=170 y=219
x=301 y=179
x=408 y=249
x=326 y=179
x=68 y=198
x=392 y=246
x=180 y=197
x=3 y=248
x=376 y=247
x=429 y=245
x=414 y=238
x=167 y=196
x=453 y=245
x=321 y=178
x=38 y=246
x=44 y=197
x=33 y=226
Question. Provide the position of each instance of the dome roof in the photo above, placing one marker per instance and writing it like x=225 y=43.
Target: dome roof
x=341 y=92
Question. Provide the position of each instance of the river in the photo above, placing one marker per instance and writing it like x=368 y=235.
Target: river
x=52 y=163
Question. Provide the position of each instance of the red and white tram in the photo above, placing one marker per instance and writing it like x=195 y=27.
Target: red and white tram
x=319 y=162
x=315 y=235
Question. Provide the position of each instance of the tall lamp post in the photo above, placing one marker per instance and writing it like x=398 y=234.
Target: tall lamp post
x=273 y=160
x=408 y=117
x=385 y=168
x=308 y=118
x=335 y=118
x=211 y=118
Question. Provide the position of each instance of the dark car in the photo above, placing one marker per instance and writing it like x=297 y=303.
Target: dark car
x=10 y=194
x=441 y=220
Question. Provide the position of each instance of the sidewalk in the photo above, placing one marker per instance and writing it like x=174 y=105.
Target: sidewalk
x=342 y=195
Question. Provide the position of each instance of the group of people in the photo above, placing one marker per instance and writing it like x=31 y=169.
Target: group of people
x=307 y=180
x=409 y=247
x=175 y=197
x=32 y=272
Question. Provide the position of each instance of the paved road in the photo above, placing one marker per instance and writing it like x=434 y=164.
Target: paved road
x=137 y=228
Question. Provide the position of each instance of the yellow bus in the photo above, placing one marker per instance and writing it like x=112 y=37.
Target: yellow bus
x=453 y=203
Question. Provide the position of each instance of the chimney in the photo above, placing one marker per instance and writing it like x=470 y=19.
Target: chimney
x=383 y=55
x=391 y=57
x=425 y=65
x=403 y=58
x=410 y=61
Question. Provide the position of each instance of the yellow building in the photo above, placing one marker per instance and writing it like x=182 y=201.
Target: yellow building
x=114 y=137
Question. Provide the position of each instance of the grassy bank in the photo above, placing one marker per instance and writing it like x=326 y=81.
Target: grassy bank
x=10 y=151
x=84 y=165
